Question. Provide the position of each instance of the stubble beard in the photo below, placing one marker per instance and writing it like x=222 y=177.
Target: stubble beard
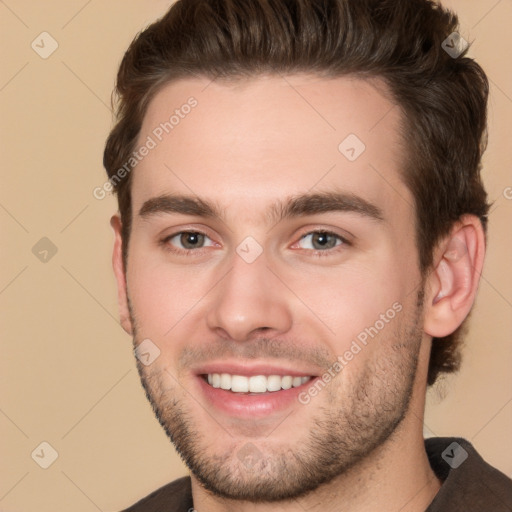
x=341 y=434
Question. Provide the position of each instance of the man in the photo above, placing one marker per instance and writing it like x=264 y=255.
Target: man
x=300 y=236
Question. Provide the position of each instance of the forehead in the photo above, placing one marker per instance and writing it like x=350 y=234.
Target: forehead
x=263 y=138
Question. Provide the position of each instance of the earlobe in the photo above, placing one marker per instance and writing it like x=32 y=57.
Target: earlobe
x=453 y=282
x=120 y=274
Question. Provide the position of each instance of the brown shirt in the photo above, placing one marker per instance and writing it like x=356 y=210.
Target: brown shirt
x=469 y=483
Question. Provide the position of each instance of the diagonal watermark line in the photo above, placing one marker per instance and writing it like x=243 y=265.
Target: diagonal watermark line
x=421 y=283
x=88 y=497
x=316 y=506
x=197 y=401
x=422 y=421
x=5 y=495
x=80 y=80
x=95 y=404
x=307 y=191
x=13 y=77
x=13 y=279
x=391 y=186
x=500 y=89
x=209 y=83
x=74 y=218
x=177 y=177
x=90 y=295
x=75 y=15
x=435 y=434
x=282 y=421
x=13 y=13
x=494 y=416
x=282 y=76
x=14 y=423
x=486 y=14
x=301 y=300
x=318 y=181
x=496 y=290
x=494 y=206
x=416 y=494
x=481 y=276
x=382 y=118
x=192 y=192
x=198 y=301
x=14 y=218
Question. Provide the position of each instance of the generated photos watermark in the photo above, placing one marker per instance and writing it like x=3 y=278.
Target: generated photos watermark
x=356 y=347
x=151 y=142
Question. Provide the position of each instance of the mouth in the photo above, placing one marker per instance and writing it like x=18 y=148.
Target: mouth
x=252 y=391
x=254 y=384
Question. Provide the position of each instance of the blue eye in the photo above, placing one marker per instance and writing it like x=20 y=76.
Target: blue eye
x=321 y=241
x=318 y=242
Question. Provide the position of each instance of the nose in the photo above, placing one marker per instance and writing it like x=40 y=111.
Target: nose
x=249 y=301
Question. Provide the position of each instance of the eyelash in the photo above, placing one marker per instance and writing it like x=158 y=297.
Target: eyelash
x=314 y=252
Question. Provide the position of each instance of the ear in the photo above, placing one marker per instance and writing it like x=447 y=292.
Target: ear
x=120 y=273
x=453 y=282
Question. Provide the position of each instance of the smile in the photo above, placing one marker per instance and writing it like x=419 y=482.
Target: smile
x=254 y=383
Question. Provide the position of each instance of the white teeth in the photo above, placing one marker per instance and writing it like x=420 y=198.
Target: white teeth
x=273 y=383
x=225 y=381
x=255 y=383
x=240 y=384
x=286 y=382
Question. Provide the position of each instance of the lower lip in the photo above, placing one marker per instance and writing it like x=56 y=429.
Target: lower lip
x=251 y=406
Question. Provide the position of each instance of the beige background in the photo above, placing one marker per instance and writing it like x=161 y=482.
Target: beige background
x=67 y=372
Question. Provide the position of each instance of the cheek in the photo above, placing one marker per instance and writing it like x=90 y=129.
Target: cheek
x=361 y=309
x=163 y=296
x=338 y=303
x=347 y=302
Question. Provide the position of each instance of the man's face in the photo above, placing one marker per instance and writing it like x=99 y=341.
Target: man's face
x=298 y=260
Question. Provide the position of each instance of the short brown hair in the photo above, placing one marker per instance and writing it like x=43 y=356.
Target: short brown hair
x=443 y=99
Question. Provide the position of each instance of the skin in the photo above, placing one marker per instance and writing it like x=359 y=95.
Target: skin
x=358 y=444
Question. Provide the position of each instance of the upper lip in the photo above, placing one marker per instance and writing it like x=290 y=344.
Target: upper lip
x=250 y=369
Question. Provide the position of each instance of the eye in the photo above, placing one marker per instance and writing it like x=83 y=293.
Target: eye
x=321 y=240
x=187 y=241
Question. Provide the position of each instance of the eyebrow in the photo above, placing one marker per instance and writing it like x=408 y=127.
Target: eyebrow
x=294 y=206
